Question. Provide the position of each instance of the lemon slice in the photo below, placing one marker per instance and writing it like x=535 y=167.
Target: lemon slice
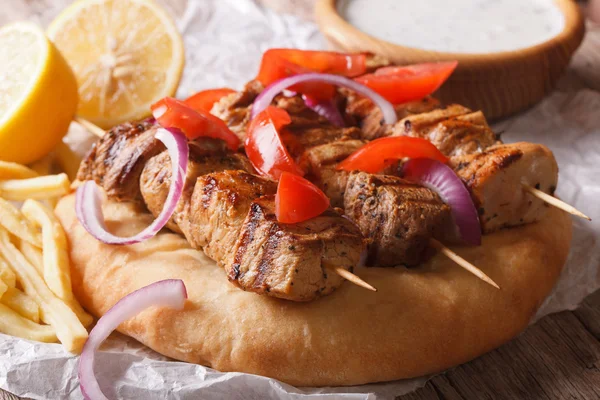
x=38 y=94
x=126 y=55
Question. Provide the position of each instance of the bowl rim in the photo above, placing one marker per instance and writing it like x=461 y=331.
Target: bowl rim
x=332 y=24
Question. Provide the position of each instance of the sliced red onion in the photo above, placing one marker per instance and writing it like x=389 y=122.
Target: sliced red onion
x=326 y=109
x=88 y=201
x=167 y=293
x=265 y=98
x=442 y=179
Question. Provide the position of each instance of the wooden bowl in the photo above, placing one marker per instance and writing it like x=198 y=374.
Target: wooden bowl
x=499 y=84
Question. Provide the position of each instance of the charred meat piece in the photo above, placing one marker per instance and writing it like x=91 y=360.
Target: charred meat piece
x=370 y=119
x=230 y=215
x=456 y=136
x=235 y=109
x=205 y=156
x=320 y=163
x=398 y=216
x=116 y=161
x=494 y=178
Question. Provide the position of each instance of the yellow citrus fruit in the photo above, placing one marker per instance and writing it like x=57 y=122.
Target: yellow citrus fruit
x=126 y=54
x=38 y=94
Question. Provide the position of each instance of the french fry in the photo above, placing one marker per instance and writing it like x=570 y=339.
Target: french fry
x=11 y=323
x=33 y=255
x=6 y=274
x=15 y=222
x=22 y=304
x=56 y=265
x=42 y=187
x=11 y=170
x=57 y=272
x=68 y=160
x=67 y=326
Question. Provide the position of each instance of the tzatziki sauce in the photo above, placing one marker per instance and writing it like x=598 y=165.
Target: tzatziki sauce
x=456 y=26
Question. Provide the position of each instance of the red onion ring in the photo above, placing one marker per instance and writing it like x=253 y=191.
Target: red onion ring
x=442 y=179
x=265 y=98
x=167 y=293
x=326 y=109
x=88 y=201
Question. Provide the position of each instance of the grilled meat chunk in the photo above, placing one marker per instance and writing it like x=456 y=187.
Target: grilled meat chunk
x=235 y=108
x=370 y=119
x=494 y=178
x=465 y=134
x=230 y=215
x=116 y=161
x=398 y=216
x=320 y=162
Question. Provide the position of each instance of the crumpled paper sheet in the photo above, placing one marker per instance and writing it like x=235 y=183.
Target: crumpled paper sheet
x=224 y=40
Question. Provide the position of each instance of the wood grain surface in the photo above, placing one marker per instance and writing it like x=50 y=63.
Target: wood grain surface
x=557 y=358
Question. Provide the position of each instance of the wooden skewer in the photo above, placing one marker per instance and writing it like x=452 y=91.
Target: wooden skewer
x=553 y=201
x=462 y=262
x=95 y=129
x=350 y=277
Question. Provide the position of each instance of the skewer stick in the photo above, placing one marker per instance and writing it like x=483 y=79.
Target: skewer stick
x=350 y=277
x=95 y=129
x=462 y=262
x=553 y=201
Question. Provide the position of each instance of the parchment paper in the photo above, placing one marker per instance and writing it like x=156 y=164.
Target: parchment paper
x=224 y=41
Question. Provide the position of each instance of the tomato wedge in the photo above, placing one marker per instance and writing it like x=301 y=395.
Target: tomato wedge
x=375 y=155
x=408 y=83
x=264 y=146
x=172 y=113
x=329 y=62
x=203 y=101
x=298 y=200
x=277 y=64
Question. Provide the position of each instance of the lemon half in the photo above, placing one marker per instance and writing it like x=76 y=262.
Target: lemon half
x=126 y=55
x=38 y=94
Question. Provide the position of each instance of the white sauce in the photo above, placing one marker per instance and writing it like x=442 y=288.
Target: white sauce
x=457 y=26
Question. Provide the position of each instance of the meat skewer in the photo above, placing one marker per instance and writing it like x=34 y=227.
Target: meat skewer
x=318 y=147
x=458 y=132
x=245 y=238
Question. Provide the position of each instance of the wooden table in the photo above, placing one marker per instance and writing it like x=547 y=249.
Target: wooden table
x=557 y=358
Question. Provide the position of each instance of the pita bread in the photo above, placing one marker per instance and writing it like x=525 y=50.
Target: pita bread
x=421 y=321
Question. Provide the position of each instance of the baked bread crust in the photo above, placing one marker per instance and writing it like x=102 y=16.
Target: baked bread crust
x=420 y=321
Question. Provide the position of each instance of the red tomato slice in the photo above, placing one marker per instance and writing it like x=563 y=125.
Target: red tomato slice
x=280 y=63
x=264 y=146
x=203 y=101
x=328 y=62
x=172 y=113
x=298 y=200
x=375 y=155
x=409 y=83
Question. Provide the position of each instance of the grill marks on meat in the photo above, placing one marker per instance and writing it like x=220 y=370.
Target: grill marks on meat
x=455 y=130
x=235 y=109
x=398 y=216
x=494 y=179
x=320 y=163
x=370 y=118
x=116 y=161
x=230 y=214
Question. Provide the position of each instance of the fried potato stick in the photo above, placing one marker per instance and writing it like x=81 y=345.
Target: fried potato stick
x=15 y=222
x=21 y=303
x=69 y=329
x=42 y=187
x=11 y=323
